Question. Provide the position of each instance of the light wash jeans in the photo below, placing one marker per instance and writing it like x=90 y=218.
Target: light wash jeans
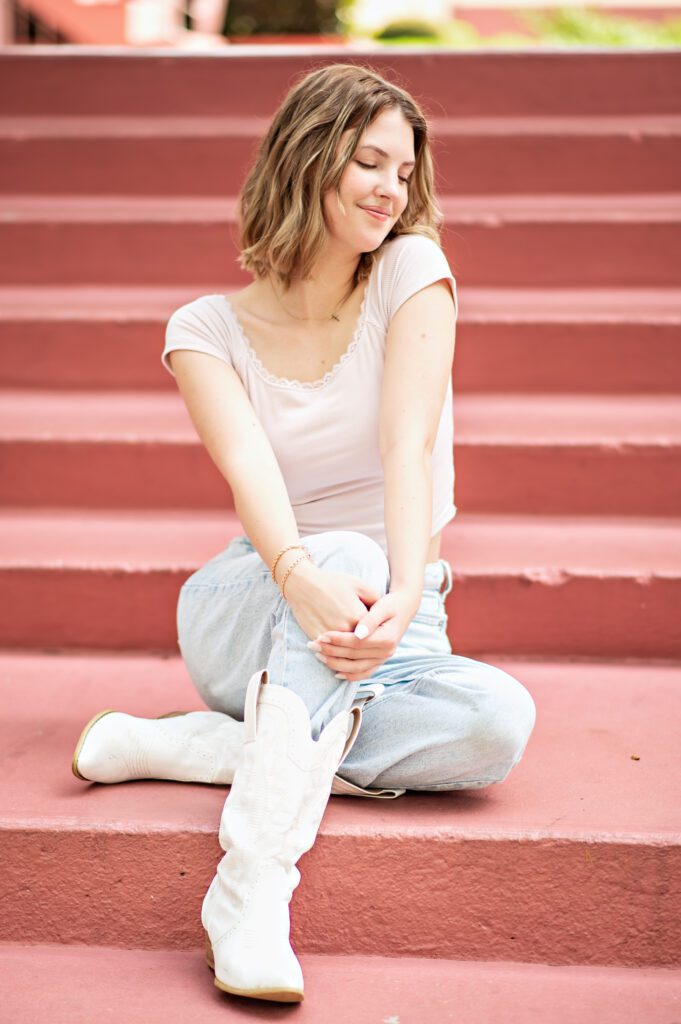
x=436 y=720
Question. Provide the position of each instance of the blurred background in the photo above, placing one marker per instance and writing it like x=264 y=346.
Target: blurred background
x=357 y=24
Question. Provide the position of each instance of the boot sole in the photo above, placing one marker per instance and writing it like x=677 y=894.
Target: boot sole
x=81 y=741
x=279 y=995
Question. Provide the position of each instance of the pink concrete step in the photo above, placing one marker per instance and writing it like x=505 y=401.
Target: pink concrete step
x=573 y=859
x=573 y=341
x=79 y=984
x=251 y=80
x=540 y=454
x=502 y=240
x=552 y=586
x=562 y=340
x=211 y=155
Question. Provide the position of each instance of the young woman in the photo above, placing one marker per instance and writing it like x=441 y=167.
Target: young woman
x=318 y=638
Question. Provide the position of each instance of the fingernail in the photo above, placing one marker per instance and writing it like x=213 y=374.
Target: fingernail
x=339 y=675
x=321 y=657
x=361 y=631
x=313 y=645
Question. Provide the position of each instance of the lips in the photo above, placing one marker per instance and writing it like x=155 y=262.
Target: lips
x=376 y=211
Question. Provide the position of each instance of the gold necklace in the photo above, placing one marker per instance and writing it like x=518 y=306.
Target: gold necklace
x=318 y=319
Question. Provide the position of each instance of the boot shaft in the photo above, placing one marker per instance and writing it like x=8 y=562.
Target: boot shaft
x=283 y=780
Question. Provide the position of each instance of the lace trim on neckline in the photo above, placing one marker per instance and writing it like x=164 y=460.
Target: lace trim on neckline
x=306 y=385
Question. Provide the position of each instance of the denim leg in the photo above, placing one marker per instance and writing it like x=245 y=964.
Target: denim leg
x=457 y=724
x=443 y=721
x=233 y=621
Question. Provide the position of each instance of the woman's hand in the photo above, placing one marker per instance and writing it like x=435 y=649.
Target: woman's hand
x=356 y=659
x=323 y=599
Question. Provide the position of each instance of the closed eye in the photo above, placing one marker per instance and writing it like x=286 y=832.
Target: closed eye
x=373 y=166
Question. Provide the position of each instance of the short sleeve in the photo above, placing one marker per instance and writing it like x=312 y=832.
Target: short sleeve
x=198 y=326
x=413 y=263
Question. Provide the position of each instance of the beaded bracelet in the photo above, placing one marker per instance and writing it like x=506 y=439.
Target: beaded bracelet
x=282 y=552
x=290 y=570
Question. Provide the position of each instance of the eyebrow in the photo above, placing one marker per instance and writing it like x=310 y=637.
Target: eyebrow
x=405 y=163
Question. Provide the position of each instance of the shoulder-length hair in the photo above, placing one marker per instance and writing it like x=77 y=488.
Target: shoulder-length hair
x=282 y=228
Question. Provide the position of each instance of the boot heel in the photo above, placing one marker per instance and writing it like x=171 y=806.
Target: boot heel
x=210 y=959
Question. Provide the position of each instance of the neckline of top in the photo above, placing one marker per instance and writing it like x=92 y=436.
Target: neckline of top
x=305 y=385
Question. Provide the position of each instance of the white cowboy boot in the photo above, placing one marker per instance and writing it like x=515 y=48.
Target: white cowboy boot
x=181 y=746
x=192 y=746
x=270 y=818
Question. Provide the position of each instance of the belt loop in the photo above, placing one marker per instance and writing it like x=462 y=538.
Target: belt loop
x=447 y=582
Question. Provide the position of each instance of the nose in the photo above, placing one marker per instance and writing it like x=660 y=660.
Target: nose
x=390 y=187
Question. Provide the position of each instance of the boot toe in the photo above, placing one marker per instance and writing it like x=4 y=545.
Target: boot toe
x=89 y=758
x=277 y=977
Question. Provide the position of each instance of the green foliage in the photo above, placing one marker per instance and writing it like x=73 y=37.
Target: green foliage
x=584 y=27
x=409 y=29
x=564 y=26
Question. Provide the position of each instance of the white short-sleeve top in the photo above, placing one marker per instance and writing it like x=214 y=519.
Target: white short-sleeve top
x=324 y=433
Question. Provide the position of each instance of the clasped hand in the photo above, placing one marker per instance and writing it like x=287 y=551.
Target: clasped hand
x=354 y=658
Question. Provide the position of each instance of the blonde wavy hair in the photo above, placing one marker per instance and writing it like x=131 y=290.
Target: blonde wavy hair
x=281 y=222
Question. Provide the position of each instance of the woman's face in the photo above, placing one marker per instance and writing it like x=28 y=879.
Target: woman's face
x=372 y=179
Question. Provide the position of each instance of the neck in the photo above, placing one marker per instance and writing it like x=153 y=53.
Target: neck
x=318 y=296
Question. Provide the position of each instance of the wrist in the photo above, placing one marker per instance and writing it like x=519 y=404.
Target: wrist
x=409 y=595
x=284 y=560
x=297 y=570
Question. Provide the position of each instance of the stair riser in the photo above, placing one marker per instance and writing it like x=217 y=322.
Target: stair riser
x=540 y=612
x=577 y=358
x=469 y=164
x=611 y=478
x=556 y=901
x=596 y=254
x=460 y=84
x=533 y=358
x=69 y=353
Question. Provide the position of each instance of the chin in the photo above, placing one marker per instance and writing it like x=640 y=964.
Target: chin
x=364 y=240
x=372 y=239
x=360 y=243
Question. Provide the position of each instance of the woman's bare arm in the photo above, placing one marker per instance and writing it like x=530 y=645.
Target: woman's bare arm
x=418 y=366
x=228 y=426
x=226 y=422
